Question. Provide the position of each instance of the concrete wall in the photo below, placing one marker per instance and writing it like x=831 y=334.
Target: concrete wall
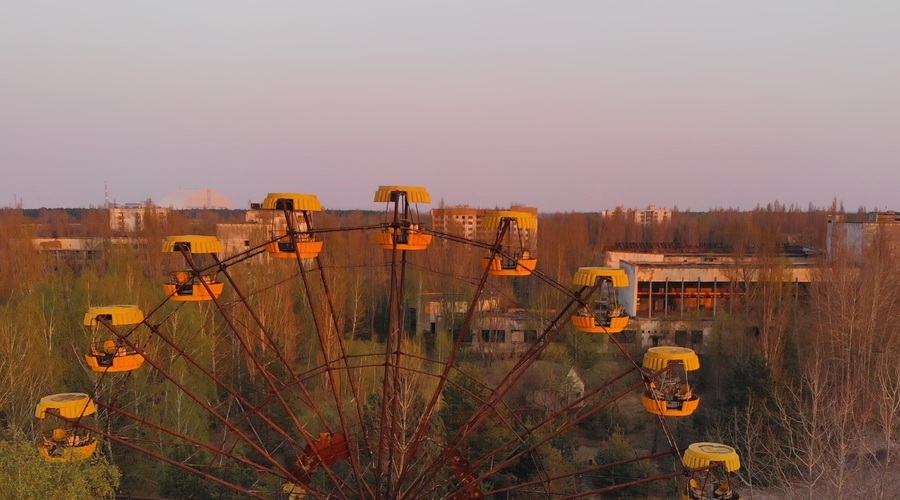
x=238 y=238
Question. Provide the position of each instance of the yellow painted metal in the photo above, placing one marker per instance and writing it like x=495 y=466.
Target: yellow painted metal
x=493 y=218
x=704 y=454
x=195 y=292
x=199 y=244
x=117 y=358
x=587 y=276
x=662 y=407
x=68 y=404
x=617 y=324
x=283 y=248
x=124 y=363
x=116 y=315
x=67 y=453
x=414 y=241
x=300 y=202
x=307 y=249
x=523 y=267
x=414 y=194
x=588 y=324
x=657 y=358
x=294 y=491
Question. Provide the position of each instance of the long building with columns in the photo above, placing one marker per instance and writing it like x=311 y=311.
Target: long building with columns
x=668 y=290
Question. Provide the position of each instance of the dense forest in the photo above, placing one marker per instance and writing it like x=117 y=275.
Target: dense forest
x=810 y=398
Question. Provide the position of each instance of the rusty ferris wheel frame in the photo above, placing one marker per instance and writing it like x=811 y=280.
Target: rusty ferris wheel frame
x=371 y=448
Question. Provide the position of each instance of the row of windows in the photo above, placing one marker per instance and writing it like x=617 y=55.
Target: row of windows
x=523 y=336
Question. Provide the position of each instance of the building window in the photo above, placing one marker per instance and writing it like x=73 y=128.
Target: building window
x=696 y=337
x=493 y=336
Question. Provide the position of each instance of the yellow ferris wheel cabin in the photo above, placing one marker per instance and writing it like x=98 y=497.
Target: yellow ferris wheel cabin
x=606 y=315
x=710 y=483
x=188 y=284
x=113 y=355
x=61 y=440
x=290 y=236
x=669 y=393
x=518 y=243
x=118 y=315
x=403 y=228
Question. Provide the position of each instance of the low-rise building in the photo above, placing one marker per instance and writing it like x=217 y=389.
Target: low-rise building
x=503 y=334
x=667 y=291
x=78 y=252
x=855 y=233
x=544 y=387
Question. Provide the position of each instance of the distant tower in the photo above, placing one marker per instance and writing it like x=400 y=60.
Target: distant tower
x=105 y=194
x=208 y=198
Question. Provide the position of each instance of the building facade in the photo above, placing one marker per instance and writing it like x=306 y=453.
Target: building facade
x=468 y=222
x=130 y=218
x=652 y=215
x=643 y=216
x=667 y=291
x=854 y=234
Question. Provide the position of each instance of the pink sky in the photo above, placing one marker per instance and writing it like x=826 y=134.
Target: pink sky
x=567 y=106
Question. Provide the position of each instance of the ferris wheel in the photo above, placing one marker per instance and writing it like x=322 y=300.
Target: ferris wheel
x=301 y=410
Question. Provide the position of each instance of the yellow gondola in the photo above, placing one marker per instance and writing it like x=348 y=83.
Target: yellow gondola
x=403 y=227
x=187 y=285
x=290 y=232
x=519 y=243
x=293 y=491
x=710 y=483
x=66 y=442
x=670 y=394
x=113 y=355
x=606 y=315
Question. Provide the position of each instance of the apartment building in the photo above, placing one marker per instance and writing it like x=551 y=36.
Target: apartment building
x=130 y=217
x=650 y=215
x=468 y=222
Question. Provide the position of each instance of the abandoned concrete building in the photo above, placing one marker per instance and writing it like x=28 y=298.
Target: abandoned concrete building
x=856 y=233
x=467 y=222
x=673 y=297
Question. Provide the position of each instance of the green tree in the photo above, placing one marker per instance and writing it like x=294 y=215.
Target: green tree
x=25 y=475
x=618 y=449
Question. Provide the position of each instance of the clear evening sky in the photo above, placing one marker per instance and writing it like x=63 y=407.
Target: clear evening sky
x=563 y=105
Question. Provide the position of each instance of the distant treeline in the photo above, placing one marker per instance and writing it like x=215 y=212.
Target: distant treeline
x=715 y=231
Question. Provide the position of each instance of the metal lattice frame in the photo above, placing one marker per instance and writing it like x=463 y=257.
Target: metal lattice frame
x=374 y=467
